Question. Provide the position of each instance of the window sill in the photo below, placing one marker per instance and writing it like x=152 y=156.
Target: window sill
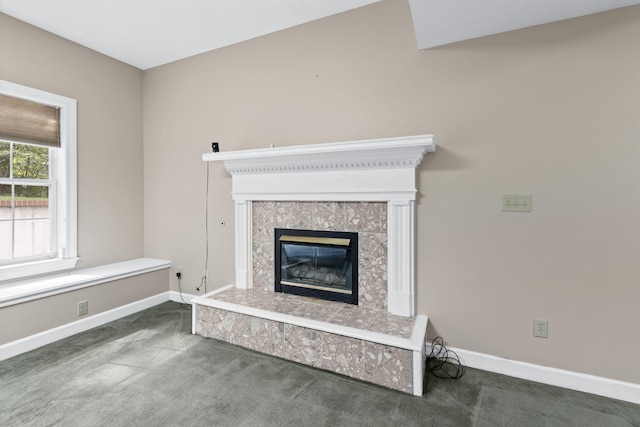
x=30 y=269
x=27 y=290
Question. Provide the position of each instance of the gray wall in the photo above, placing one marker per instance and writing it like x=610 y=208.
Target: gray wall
x=39 y=315
x=550 y=111
x=110 y=180
x=109 y=95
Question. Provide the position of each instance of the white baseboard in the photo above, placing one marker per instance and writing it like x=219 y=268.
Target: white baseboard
x=600 y=386
x=181 y=298
x=40 y=339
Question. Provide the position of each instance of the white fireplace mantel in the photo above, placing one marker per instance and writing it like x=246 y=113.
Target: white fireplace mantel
x=380 y=170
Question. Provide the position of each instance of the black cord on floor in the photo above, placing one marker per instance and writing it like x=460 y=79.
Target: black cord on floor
x=443 y=363
x=184 y=303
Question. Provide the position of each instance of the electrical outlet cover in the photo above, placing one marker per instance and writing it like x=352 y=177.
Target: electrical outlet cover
x=83 y=308
x=540 y=328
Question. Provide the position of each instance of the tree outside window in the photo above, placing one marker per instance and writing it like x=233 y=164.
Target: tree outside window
x=25 y=218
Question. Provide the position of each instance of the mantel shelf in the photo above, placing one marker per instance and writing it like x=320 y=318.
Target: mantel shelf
x=401 y=152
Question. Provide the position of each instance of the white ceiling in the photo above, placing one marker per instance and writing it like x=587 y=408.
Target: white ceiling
x=439 y=22
x=148 y=33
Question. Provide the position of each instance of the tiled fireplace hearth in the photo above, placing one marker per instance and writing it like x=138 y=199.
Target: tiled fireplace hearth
x=363 y=187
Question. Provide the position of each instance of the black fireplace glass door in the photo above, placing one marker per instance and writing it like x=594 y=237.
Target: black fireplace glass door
x=318 y=264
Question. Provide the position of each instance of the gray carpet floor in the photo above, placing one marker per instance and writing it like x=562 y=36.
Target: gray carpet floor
x=148 y=370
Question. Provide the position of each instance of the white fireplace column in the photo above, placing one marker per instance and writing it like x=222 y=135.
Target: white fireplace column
x=380 y=170
x=401 y=257
x=243 y=244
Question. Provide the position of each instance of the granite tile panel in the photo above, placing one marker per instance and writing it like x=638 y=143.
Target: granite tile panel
x=372 y=270
x=338 y=313
x=214 y=323
x=241 y=325
x=377 y=363
x=303 y=345
x=389 y=324
x=261 y=299
x=325 y=216
x=343 y=355
x=366 y=216
x=262 y=335
x=317 y=309
x=348 y=315
x=387 y=366
x=372 y=291
x=368 y=219
x=274 y=334
x=372 y=252
x=384 y=365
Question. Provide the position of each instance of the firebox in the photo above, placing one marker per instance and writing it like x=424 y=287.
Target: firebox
x=319 y=264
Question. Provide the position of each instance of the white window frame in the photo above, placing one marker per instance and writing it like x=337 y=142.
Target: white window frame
x=64 y=174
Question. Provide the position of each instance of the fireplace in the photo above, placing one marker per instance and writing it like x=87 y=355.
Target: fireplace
x=365 y=187
x=318 y=264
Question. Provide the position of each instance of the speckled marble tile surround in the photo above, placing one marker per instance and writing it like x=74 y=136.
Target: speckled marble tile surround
x=368 y=219
x=381 y=364
x=325 y=311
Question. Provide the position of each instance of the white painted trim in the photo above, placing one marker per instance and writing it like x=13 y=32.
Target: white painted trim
x=419 y=335
x=327 y=185
x=243 y=236
x=401 y=257
x=31 y=289
x=35 y=268
x=600 y=386
x=418 y=373
x=327 y=195
x=64 y=174
x=178 y=297
x=413 y=343
x=217 y=291
x=398 y=152
x=32 y=342
x=249 y=245
x=194 y=316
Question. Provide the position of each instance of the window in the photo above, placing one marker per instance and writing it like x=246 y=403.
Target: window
x=37 y=182
x=27 y=215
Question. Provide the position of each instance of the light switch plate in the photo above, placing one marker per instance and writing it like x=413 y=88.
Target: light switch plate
x=516 y=203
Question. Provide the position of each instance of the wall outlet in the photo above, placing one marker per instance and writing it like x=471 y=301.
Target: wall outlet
x=83 y=308
x=516 y=203
x=540 y=328
x=179 y=272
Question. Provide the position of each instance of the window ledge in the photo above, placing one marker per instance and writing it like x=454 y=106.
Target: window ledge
x=36 y=268
x=27 y=290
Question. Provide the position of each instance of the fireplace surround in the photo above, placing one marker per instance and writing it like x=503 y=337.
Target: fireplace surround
x=367 y=219
x=380 y=170
x=362 y=187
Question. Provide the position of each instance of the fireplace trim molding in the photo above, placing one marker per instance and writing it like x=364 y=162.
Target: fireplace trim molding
x=381 y=170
